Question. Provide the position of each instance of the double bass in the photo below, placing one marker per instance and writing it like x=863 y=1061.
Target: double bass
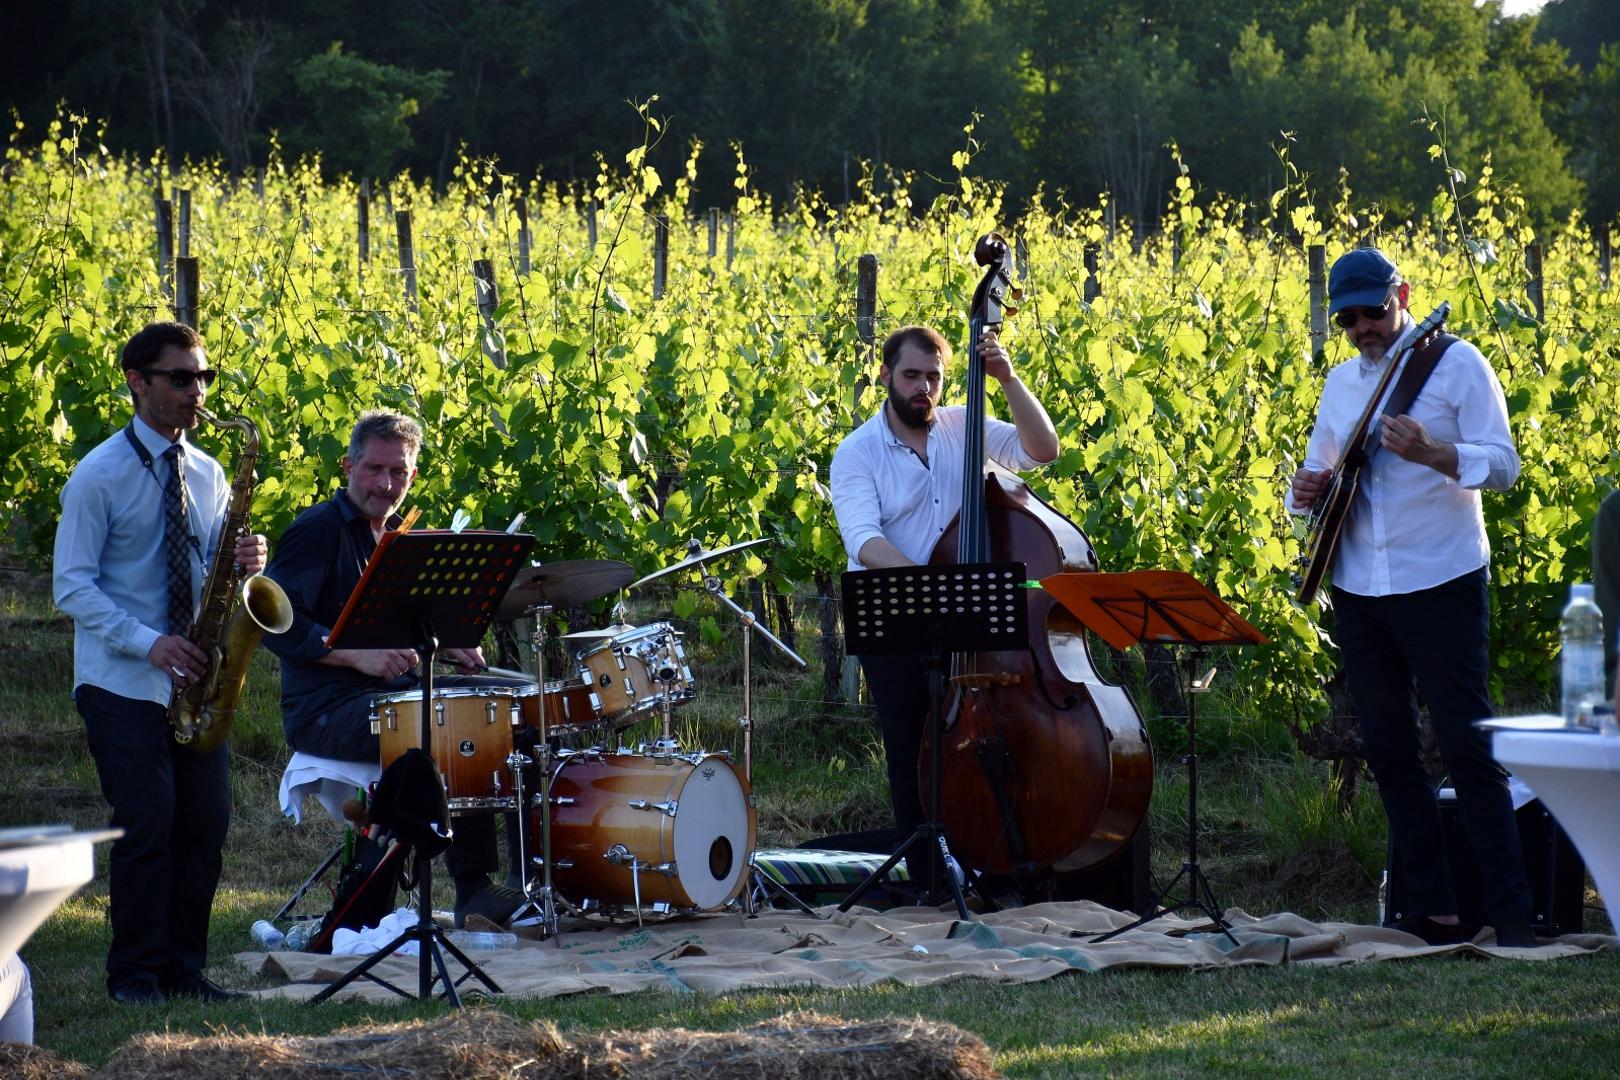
x=1043 y=764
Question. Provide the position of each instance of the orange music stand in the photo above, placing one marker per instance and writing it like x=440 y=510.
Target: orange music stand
x=1165 y=607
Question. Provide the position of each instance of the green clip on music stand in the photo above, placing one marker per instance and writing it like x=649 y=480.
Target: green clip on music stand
x=1166 y=607
x=427 y=590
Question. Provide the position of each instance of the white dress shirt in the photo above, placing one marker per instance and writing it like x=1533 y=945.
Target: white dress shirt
x=110 y=573
x=1411 y=527
x=880 y=487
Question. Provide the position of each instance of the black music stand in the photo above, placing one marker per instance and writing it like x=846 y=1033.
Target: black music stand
x=425 y=590
x=961 y=608
x=1166 y=607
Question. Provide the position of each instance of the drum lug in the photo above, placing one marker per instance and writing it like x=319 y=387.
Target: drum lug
x=495 y=782
x=560 y=800
x=393 y=718
x=619 y=855
x=663 y=807
x=438 y=712
x=667 y=869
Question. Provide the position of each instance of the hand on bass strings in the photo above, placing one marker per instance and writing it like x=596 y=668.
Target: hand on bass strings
x=997 y=360
x=252 y=554
x=177 y=658
x=1309 y=486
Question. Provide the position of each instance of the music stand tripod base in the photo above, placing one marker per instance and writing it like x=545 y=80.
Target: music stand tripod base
x=956 y=608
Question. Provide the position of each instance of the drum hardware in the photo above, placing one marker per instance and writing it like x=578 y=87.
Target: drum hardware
x=663 y=807
x=697 y=559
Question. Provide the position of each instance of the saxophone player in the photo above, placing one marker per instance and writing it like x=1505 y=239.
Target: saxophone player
x=141 y=515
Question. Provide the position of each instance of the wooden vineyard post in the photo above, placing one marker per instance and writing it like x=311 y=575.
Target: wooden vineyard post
x=488 y=300
x=731 y=237
x=165 y=243
x=1604 y=255
x=1093 y=287
x=525 y=242
x=1316 y=269
x=1538 y=294
x=183 y=224
x=714 y=231
x=660 y=255
x=185 y=290
x=866 y=274
x=590 y=223
x=407 y=256
x=362 y=216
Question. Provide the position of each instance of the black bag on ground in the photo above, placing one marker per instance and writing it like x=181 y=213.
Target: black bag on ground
x=367 y=889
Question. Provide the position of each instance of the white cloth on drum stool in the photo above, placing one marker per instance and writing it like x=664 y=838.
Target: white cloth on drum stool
x=330 y=780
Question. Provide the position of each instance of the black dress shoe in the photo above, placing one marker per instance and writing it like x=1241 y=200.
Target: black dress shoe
x=1516 y=935
x=202 y=988
x=1434 y=933
x=140 y=990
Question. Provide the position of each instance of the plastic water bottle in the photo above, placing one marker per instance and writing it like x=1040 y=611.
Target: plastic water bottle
x=302 y=933
x=267 y=937
x=1582 y=657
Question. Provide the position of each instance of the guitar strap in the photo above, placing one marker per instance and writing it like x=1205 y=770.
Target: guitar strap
x=1418 y=370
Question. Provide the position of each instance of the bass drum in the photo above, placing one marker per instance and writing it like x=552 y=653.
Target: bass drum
x=650 y=829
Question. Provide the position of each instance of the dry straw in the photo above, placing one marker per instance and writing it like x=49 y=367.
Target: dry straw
x=474 y=1044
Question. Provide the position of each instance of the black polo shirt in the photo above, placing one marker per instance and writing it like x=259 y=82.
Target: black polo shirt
x=318 y=561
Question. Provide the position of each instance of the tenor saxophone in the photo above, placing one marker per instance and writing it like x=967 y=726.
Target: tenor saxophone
x=201 y=711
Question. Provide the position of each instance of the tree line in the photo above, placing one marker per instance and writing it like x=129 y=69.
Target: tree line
x=1073 y=97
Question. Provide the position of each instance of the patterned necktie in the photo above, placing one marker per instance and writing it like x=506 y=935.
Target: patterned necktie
x=175 y=543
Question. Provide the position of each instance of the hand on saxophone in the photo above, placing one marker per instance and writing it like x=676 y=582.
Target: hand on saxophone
x=252 y=554
x=177 y=658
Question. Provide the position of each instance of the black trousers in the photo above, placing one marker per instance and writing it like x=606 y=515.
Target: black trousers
x=344 y=733
x=899 y=687
x=1439 y=639
x=174 y=806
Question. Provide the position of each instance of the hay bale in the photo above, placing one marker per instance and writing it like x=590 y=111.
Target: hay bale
x=466 y=1045
x=798 y=1046
x=473 y=1044
x=19 y=1061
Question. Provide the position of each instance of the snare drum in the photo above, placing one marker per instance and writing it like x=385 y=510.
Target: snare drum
x=572 y=708
x=630 y=673
x=676 y=830
x=472 y=738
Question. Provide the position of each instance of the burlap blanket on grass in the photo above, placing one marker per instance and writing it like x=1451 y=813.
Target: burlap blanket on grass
x=912 y=946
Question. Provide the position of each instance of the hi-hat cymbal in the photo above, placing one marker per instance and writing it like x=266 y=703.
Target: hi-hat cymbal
x=562 y=584
x=596 y=635
x=697 y=557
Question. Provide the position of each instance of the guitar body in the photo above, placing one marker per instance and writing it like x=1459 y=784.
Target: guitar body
x=1322 y=537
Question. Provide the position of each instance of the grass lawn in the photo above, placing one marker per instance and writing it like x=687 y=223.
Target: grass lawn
x=1269 y=832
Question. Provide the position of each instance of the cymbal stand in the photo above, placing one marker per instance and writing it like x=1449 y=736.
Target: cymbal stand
x=546 y=903
x=762 y=883
x=750 y=623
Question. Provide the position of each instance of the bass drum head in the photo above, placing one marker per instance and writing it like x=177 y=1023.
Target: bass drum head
x=714 y=833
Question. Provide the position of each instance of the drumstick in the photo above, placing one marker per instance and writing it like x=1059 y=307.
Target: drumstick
x=498 y=672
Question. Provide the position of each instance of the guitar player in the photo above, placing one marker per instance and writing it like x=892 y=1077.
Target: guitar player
x=1410 y=597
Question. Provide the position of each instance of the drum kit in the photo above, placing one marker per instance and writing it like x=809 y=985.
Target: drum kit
x=621 y=829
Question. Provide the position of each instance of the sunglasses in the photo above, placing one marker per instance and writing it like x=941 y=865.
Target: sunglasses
x=180 y=379
x=1347 y=317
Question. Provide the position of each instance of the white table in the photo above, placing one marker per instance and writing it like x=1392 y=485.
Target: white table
x=40 y=867
x=1577 y=774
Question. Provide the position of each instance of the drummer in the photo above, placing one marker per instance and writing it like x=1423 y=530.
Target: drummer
x=327 y=695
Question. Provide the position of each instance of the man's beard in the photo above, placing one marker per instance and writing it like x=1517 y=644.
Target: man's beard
x=909 y=414
x=1375 y=346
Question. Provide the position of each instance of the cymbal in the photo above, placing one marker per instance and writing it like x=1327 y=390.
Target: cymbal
x=562 y=584
x=597 y=635
x=697 y=557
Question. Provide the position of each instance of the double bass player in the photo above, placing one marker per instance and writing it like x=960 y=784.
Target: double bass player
x=897 y=484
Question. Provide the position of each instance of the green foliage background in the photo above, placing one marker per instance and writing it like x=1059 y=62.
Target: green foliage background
x=623 y=425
